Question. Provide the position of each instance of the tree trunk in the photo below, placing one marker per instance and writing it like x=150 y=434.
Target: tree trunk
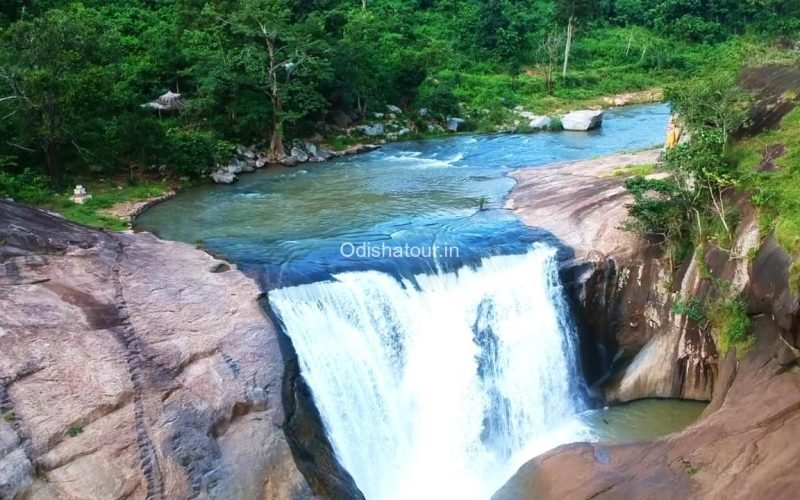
x=54 y=167
x=276 y=150
x=568 y=47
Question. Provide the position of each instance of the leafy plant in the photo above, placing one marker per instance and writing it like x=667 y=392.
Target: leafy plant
x=27 y=186
x=192 y=152
x=75 y=431
x=691 y=307
x=729 y=320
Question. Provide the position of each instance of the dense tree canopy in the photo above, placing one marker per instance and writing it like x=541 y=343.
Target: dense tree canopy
x=74 y=76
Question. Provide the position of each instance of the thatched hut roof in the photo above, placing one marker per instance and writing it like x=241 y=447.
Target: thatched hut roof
x=170 y=101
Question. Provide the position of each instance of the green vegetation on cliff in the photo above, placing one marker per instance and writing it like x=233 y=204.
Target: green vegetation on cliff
x=744 y=147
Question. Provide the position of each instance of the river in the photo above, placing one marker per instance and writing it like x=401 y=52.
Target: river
x=429 y=322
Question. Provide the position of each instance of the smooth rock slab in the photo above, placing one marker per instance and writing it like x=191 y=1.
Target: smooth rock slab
x=133 y=370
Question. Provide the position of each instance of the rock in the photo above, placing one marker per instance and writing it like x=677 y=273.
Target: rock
x=540 y=122
x=289 y=161
x=403 y=131
x=747 y=448
x=322 y=155
x=168 y=377
x=453 y=124
x=341 y=119
x=236 y=167
x=224 y=177
x=424 y=112
x=581 y=203
x=299 y=154
x=358 y=149
x=310 y=148
x=433 y=127
x=262 y=162
x=378 y=116
x=391 y=108
x=372 y=130
x=246 y=152
x=15 y=473
x=582 y=120
x=218 y=266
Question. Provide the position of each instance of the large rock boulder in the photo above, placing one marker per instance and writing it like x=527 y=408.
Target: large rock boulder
x=224 y=177
x=454 y=124
x=582 y=121
x=300 y=154
x=134 y=368
x=540 y=122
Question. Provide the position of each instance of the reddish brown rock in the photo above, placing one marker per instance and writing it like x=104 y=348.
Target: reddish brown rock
x=748 y=448
x=130 y=369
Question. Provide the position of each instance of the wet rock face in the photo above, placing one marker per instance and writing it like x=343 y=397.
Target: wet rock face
x=635 y=345
x=129 y=369
x=746 y=447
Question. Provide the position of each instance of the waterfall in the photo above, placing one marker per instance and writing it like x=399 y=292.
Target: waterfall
x=441 y=386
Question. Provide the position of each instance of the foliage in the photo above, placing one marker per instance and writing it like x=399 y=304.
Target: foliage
x=714 y=103
x=729 y=321
x=640 y=170
x=27 y=187
x=690 y=307
x=74 y=76
x=692 y=201
x=775 y=193
x=75 y=431
x=191 y=152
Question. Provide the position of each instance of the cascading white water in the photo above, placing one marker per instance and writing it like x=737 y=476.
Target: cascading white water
x=439 y=390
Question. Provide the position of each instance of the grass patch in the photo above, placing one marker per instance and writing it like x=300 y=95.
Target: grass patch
x=104 y=196
x=691 y=307
x=75 y=431
x=643 y=170
x=776 y=193
x=731 y=326
x=9 y=417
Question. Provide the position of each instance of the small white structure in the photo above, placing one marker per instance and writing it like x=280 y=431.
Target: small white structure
x=79 y=195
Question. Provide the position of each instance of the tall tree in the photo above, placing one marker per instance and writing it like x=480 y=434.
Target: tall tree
x=282 y=58
x=55 y=77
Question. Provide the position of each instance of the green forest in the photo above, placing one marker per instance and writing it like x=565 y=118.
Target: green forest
x=75 y=78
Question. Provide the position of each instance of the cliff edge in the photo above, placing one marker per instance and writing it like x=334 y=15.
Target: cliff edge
x=132 y=367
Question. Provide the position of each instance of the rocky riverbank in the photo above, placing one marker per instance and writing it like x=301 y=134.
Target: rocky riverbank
x=132 y=367
x=636 y=344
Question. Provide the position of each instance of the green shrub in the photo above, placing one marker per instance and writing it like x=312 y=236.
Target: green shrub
x=731 y=325
x=28 y=187
x=690 y=307
x=193 y=152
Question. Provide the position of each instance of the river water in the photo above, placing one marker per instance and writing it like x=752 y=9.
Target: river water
x=434 y=336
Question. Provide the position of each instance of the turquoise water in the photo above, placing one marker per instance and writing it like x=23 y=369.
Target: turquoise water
x=292 y=221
